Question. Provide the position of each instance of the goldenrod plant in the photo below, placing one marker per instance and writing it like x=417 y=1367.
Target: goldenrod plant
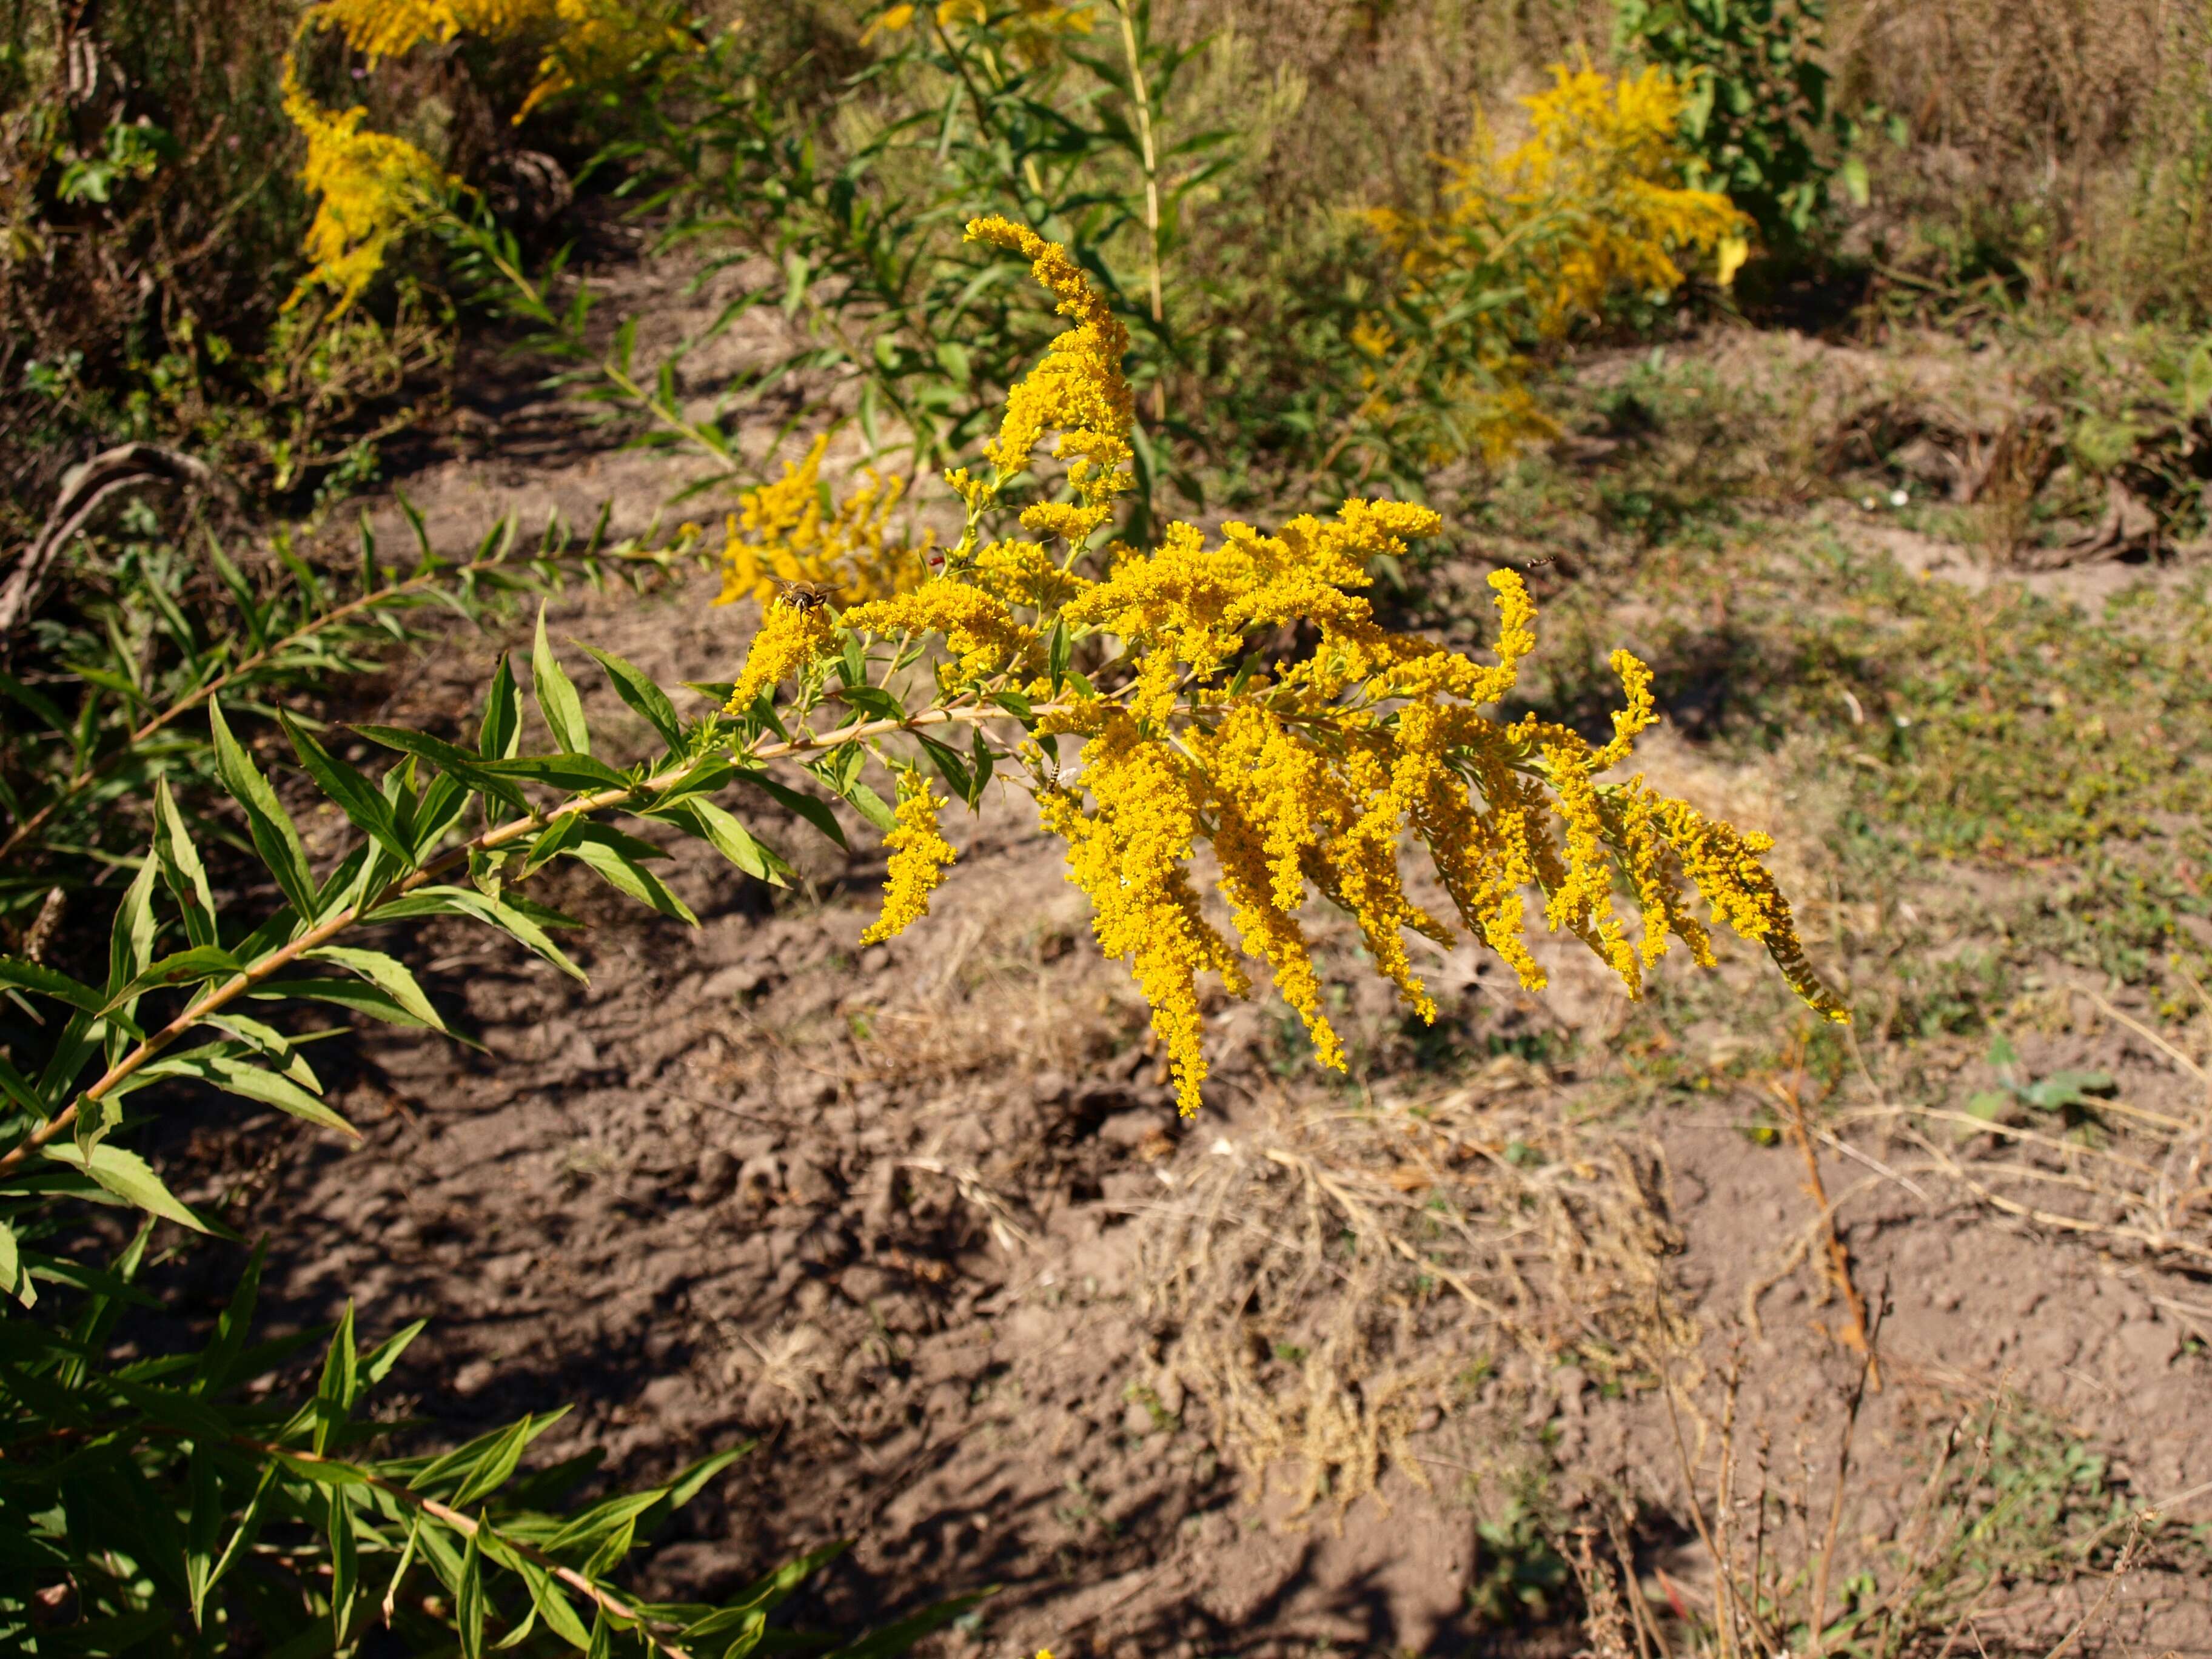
x=1304 y=770
x=1592 y=207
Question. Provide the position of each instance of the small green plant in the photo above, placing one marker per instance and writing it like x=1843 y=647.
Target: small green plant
x=2071 y=1094
x=1758 y=116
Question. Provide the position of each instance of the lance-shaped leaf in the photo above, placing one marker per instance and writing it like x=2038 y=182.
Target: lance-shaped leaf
x=634 y=688
x=462 y=901
x=722 y=831
x=273 y=834
x=388 y=974
x=492 y=1470
x=251 y=1082
x=604 y=850
x=15 y=1275
x=814 y=811
x=346 y=1563
x=202 y=962
x=181 y=867
x=361 y=802
x=456 y=763
x=556 y=695
x=220 y=1358
x=469 y=1602
x=499 y=734
x=128 y=1177
x=45 y=982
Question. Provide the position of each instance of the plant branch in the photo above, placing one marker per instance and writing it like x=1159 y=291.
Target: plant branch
x=614 y=1605
x=322 y=933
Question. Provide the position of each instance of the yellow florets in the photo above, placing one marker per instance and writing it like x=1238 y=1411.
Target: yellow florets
x=370 y=188
x=1305 y=772
x=782 y=532
x=919 y=857
x=791 y=636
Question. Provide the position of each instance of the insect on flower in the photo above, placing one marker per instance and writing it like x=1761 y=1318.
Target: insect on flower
x=803 y=597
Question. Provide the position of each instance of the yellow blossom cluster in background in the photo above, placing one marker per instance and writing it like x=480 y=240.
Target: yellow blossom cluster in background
x=584 y=39
x=787 y=532
x=1591 y=205
x=1308 y=775
x=1033 y=30
x=369 y=188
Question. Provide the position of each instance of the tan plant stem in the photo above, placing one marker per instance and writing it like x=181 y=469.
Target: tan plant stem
x=601 y=801
x=1839 y=1259
x=1141 y=97
x=615 y=1605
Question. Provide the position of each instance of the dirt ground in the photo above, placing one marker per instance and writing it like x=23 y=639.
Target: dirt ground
x=1326 y=1368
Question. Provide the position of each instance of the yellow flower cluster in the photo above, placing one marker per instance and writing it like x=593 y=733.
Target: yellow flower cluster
x=919 y=857
x=1032 y=29
x=1306 y=773
x=1592 y=205
x=791 y=637
x=369 y=188
x=585 y=39
x=787 y=532
x=1078 y=390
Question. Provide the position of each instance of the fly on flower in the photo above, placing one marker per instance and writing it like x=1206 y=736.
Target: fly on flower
x=802 y=596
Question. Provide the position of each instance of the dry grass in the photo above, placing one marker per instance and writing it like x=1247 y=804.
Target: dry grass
x=2139 y=1179
x=1337 y=1274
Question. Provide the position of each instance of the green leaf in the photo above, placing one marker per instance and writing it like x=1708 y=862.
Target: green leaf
x=577 y=772
x=722 y=831
x=806 y=806
x=45 y=982
x=556 y=695
x=949 y=766
x=350 y=993
x=346 y=1562
x=273 y=834
x=634 y=688
x=1059 y=650
x=376 y=1365
x=547 y=1596
x=624 y=872
x=212 y=1373
x=688 y=1484
x=510 y=919
x=202 y=1519
x=499 y=735
x=182 y=869
x=202 y=962
x=457 y=763
x=341 y=1379
x=131 y=936
x=469 y=1610
x=388 y=972
x=493 y=1469
x=14 y=1278
x=361 y=802
x=128 y=1176
x=251 y=1082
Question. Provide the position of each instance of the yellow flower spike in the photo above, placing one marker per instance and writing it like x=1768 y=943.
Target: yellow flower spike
x=782 y=533
x=371 y=188
x=791 y=637
x=919 y=857
x=978 y=626
x=1078 y=389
